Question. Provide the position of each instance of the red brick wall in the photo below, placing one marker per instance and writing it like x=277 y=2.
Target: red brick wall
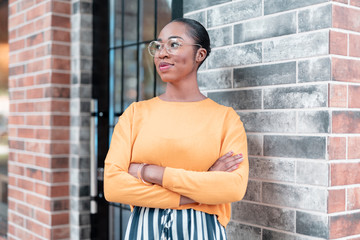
x=344 y=150
x=39 y=90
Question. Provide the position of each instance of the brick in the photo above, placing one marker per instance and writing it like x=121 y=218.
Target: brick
x=26 y=29
x=42 y=216
x=16 y=120
x=296 y=46
x=57 y=92
x=60 y=219
x=16 y=45
x=274 y=6
x=353 y=198
x=17 y=95
x=59 y=205
x=15 y=169
x=346 y=18
x=60 y=191
x=43 y=22
x=341 y=1
x=35 y=93
x=236 y=230
x=345 y=174
x=24 y=209
x=16 y=70
x=60 y=134
x=346 y=122
x=338 y=96
x=34 y=173
x=296 y=97
x=312 y=224
x=59 y=148
x=314 y=18
x=313 y=122
x=60 y=21
x=26 y=81
x=337 y=148
x=218 y=79
x=255 y=144
x=338 y=43
x=253 y=191
x=198 y=16
x=58 y=120
x=26 y=158
x=312 y=173
x=60 y=106
x=60 y=50
x=354 y=45
x=61 y=78
x=274 y=235
x=57 y=177
x=35 y=66
x=60 y=233
x=246 y=54
x=233 y=12
x=344 y=225
x=60 y=64
x=25 y=184
x=353 y=148
x=26 y=55
x=35 y=120
x=220 y=36
x=260 y=215
x=34 y=227
x=267 y=27
x=43 y=189
x=35 y=39
x=336 y=200
x=272 y=74
x=269 y=121
x=272 y=169
x=295 y=146
x=61 y=7
x=36 y=12
x=15 y=21
x=25 y=133
x=295 y=196
x=16 y=194
x=244 y=99
x=13 y=144
x=355 y=3
x=314 y=70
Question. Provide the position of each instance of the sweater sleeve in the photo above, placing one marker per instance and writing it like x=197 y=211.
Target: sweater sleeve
x=119 y=185
x=215 y=187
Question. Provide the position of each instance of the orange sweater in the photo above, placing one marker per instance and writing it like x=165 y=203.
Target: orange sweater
x=186 y=138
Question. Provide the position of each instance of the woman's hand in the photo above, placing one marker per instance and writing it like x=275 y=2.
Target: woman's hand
x=227 y=163
x=133 y=168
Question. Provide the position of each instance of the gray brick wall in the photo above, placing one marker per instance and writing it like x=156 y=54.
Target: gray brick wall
x=81 y=67
x=270 y=61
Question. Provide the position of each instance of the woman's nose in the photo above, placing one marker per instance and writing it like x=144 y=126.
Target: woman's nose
x=162 y=52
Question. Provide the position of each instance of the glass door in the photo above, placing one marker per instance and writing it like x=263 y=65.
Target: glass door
x=131 y=77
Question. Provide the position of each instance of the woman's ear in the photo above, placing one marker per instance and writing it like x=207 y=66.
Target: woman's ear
x=201 y=55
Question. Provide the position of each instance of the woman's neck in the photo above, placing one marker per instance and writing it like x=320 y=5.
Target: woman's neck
x=182 y=92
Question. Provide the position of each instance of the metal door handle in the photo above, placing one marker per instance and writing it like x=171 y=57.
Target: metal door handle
x=93 y=157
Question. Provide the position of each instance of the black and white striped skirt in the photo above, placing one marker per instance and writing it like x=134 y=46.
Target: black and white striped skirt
x=170 y=224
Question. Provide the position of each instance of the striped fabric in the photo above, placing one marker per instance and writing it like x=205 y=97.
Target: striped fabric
x=170 y=224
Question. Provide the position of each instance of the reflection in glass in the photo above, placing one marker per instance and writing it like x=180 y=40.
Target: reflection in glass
x=118 y=23
x=147 y=19
x=130 y=79
x=146 y=73
x=130 y=21
x=163 y=14
x=117 y=80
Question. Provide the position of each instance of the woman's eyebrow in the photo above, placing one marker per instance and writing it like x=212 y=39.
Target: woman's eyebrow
x=159 y=39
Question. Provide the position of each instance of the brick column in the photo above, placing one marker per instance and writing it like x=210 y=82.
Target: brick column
x=39 y=78
x=344 y=100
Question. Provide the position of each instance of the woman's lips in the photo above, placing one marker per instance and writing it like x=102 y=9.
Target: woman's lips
x=164 y=66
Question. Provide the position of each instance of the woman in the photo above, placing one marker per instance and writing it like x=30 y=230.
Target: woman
x=180 y=158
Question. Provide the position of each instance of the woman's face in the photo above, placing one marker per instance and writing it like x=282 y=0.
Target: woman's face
x=180 y=65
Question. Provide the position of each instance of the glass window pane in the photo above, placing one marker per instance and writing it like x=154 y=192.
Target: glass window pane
x=163 y=14
x=130 y=79
x=117 y=80
x=118 y=22
x=146 y=73
x=130 y=21
x=147 y=20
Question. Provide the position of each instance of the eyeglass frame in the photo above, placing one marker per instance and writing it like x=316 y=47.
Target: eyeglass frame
x=163 y=45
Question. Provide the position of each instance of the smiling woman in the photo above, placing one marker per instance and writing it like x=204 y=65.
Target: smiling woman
x=180 y=157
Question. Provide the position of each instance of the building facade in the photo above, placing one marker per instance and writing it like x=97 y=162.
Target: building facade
x=291 y=70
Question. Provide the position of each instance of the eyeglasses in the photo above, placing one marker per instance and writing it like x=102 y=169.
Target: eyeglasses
x=171 y=46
